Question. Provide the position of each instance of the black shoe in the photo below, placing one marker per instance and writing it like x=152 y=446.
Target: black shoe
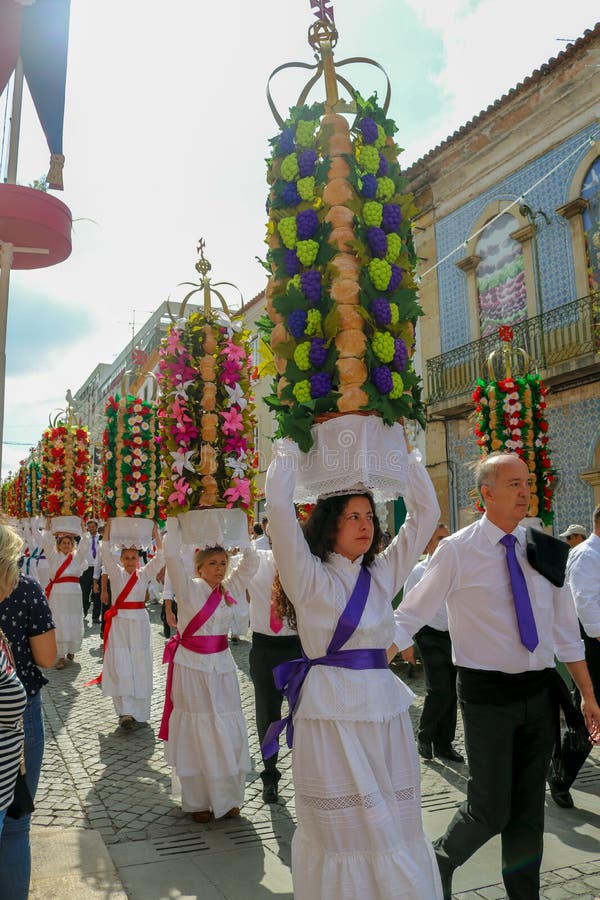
x=424 y=748
x=561 y=795
x=449 y=753
x=270 y=793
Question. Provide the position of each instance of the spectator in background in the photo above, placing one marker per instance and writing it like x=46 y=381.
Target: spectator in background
x=89 y=578
x=574 y=535
x=437 y=725
x=261 y=541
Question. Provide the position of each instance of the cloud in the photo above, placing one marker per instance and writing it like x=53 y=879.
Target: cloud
x=39 y=329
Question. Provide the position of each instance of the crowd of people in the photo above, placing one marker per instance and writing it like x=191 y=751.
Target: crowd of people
x=489 y=609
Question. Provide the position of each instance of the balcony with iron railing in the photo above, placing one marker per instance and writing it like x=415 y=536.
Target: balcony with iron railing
x=561 y=343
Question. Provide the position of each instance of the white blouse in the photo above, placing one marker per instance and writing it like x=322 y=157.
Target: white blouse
x=320 y=591
x=469 y=571
x=118 y=578
x=583 y=576
x=192 y=594
x=260 y=597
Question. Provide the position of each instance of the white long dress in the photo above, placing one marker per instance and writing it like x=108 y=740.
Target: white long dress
x=65 y=599
x=354 y=762
x=127 y=667
x=208 y=740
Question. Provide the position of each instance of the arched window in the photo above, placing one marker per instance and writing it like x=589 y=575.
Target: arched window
x=500 y=274
x=590 y=191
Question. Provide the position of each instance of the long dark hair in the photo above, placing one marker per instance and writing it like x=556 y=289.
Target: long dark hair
x=320 y=532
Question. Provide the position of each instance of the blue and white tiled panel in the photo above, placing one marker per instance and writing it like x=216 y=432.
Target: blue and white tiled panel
x=554 y=240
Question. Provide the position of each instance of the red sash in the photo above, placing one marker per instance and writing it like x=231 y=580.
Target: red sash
x=57 y=579
x=120 y=603
x=200 y=643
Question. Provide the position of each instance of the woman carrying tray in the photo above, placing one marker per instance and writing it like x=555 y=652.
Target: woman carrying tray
x=355 y=764
x=203 y=723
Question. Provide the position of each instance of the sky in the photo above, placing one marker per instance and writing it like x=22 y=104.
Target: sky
x=166 y=133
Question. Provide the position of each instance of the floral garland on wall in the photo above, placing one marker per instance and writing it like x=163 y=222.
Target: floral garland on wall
x=341 y=300
x=511 y=416
x=206 y=416
x=131 y=460
x=21 y=490
x=65 y=471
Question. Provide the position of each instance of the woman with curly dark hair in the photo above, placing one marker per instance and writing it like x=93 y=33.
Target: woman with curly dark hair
x=355 y=764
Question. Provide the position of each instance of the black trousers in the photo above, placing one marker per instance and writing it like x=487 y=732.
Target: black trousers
x=508 y=748
x=437 y=725
x=266 y=652
x=89 y=597
x=573 y=758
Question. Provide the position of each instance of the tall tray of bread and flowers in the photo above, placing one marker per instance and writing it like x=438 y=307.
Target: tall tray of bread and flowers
x=65 y=473
x=510 y=414
x=206 y=416
x=131 y=468
x=341 y=297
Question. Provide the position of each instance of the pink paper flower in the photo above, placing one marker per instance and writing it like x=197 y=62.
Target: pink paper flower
x=239 y=490
x=182 y=489
x=233 y=421
x=234 y=351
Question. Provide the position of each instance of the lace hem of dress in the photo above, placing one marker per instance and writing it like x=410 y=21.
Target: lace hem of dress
x=364 y=801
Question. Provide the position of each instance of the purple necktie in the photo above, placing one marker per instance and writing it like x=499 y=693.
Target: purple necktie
x=525 y=618
x=94 y=546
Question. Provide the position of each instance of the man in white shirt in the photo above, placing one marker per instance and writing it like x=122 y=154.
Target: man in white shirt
x=507 y=622
x=90 y=594
x=273 y=643
x=583 y=577
x=437 y=725
x=574 y=535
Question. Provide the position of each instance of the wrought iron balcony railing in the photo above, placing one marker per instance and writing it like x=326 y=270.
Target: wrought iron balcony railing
x=556 y=336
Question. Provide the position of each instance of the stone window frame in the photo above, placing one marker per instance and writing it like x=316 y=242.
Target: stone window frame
x=573 y=211
x=523 y=233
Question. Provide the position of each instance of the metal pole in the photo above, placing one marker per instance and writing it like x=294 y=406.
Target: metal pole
x=15 y=123
x=6 y=250
x=6 y=256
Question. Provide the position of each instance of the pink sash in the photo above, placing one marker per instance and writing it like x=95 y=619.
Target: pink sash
x=201 y=643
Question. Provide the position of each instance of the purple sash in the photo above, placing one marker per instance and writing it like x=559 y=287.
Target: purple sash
x=289 y=676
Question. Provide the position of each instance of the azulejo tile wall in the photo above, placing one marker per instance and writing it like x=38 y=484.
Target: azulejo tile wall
x=554 y=240
x=574 y=429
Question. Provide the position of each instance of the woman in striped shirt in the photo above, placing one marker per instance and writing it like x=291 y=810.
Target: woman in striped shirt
x=13 y=697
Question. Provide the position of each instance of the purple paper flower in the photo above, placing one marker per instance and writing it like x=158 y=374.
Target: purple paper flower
x=317 y=353
x=306 y=162
x=392 y=217
x=292 y=263
x=369 y=186
x=296 y=323
x=285 y=144
x=382 y=379
x=400 y=355
x=369 y=131
x=290 y=195
x=377 y=241
x=383 y=165
x=380 y=308
x=307 y=223
x=396 y=278
x=310 y=282
x=320 y=384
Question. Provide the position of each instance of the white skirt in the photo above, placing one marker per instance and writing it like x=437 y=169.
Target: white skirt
x=208 y=741
x=67 y=613
x=127 y=667
x=358 y=804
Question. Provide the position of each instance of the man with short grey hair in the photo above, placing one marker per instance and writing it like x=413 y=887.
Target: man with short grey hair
x=507 y=621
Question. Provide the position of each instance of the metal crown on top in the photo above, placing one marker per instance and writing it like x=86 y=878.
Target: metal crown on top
x=322 y=37
x=203 y=267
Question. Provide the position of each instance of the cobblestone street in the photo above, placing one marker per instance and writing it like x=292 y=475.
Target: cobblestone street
x=99 y=778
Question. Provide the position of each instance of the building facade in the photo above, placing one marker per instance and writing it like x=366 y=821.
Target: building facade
x=509 y=233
